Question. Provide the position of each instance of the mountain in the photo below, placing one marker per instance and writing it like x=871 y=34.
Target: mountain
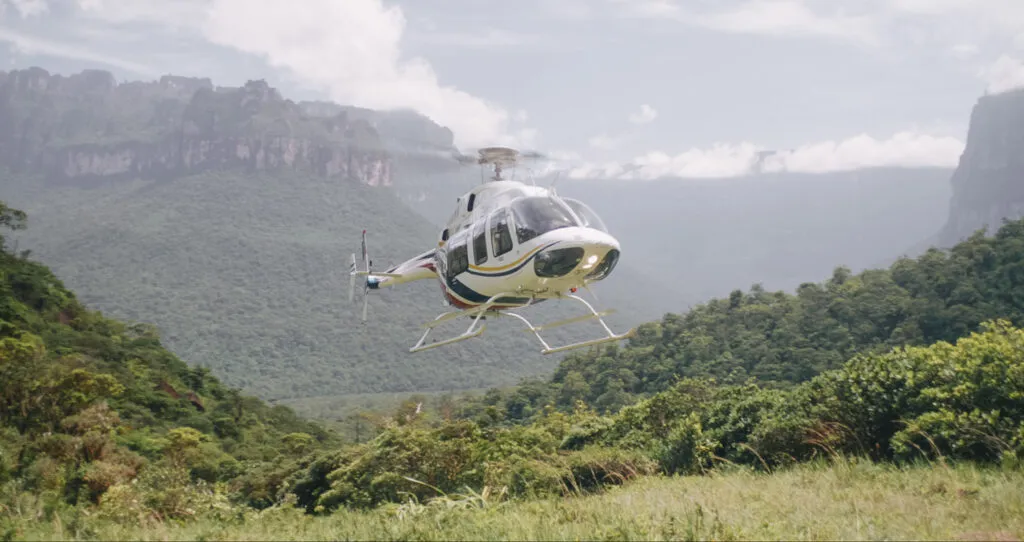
x=987 y=184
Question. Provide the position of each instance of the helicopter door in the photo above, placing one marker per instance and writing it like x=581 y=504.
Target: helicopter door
x=501 y=234
x=480 y=242
x=458 y=257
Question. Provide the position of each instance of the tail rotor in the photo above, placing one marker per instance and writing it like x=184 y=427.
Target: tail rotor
x=355 y=272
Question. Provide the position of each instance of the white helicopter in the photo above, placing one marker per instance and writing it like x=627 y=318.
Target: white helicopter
x=507 y=246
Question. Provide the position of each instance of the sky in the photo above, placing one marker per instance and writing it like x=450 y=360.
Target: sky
x=610 y=88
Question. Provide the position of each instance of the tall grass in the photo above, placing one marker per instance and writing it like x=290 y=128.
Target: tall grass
x=838 y=500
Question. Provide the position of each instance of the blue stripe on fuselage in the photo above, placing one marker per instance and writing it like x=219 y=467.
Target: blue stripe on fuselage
x=472 y=296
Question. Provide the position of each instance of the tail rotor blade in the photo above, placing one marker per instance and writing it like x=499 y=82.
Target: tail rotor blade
x=352 y=279
x=366 y=255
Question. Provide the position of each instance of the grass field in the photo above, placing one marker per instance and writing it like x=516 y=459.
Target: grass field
x=847 y=501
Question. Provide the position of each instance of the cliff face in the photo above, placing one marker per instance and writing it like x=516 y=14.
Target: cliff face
x=988 y=184
x=423 y=172
x=88 y=127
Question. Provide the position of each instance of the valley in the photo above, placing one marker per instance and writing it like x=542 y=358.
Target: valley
x=239 y=254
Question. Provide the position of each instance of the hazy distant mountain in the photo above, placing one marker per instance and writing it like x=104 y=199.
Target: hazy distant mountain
x=988 y=185
x=715 y=235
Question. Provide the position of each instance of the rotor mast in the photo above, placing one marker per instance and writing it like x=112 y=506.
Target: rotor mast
x=498 y=157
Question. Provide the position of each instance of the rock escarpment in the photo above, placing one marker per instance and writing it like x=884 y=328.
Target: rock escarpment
x=88 y=126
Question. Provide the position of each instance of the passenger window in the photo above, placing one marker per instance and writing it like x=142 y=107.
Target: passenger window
x=458 y=256
x=480 y=243
x=501 y=237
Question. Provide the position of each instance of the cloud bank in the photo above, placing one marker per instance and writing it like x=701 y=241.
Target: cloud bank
x=903 y=149
x=1004 y=75
x=645 y=115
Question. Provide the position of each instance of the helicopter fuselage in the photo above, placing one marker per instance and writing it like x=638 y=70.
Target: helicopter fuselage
x=522 y=243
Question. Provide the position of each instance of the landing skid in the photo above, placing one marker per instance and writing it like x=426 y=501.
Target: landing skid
x=476 y=328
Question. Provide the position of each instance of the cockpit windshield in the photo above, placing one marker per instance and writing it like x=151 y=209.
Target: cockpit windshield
x=587 y=216
x=538 y=215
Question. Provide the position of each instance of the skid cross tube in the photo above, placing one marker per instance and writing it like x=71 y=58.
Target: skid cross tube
x=477 y=314
x=594 y=315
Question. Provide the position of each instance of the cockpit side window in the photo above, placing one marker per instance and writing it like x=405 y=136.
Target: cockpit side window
x=538 y=215
x=480 y=242
x=458 y=256
x=472 y=200
x=501 y=236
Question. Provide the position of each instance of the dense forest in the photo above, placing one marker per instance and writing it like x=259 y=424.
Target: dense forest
x=103 y=426
x=90 y=404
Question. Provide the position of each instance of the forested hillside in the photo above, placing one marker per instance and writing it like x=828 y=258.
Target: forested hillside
x=89 y=404
x=780 y=339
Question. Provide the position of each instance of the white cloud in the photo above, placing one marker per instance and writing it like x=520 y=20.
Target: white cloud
x=31 y=45
x=604 y=142
x=776 y=18
x=352 y=50
x=649 y=8
x=1003 y=75
x=898 y=25
x=790 y=18
x=487 y=39
x=903 y=149
x=645 y=115
x=176 y=15
x=964 y=50
x=25 y=8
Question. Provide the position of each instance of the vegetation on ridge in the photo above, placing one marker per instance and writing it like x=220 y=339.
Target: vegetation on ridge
x=90 y=404
x=780 y=339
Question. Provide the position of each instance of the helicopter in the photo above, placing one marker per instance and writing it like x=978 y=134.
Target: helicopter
x=507 y=246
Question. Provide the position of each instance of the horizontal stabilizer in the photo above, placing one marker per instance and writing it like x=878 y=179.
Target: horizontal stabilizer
x=376 y=274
